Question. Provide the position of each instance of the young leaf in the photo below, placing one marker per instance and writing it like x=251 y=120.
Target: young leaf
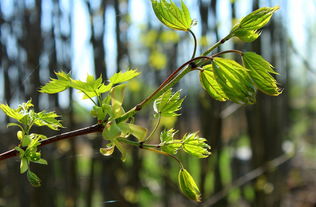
x=111 y=131
x=234 y=80
x=171 y=15
x=117 y=97
x=137 y=131
x=48 y=119
x=188 y=186
x=168 y=104
x=24 y=165
x=259 y=70
x=168 y=144
x=107 y=151
x=57 y=85
x=91 y=87
x=247 y=35
x=123 y=76
x=257 y=19
x=11 y=112
x=33 y=179
x=247 y=29
x=196 y=146
x=210 y=84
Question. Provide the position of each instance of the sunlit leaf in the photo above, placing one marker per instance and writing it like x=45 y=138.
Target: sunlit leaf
x=137 y=131
x=247 y=29
x=196 y=146
x=188 y=186
x=121 y=148
x=168 y=143
x=57 y=85
x=257 y=19
x=259 y=70
x=247 y=35
x=111 y=131
x=11 y=112
x=168 y=104
x=107 y=151
x=48 y=119
x=210 y=84
x=234 y=80
x=117 y=97
x=171 y=15
x=123 y=76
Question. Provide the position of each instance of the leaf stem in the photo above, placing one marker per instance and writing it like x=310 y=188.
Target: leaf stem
x=216 y=45
x=172 y=79
x=227 y=51
x=165 y=154
x=155 y=128
x=195 y=43
x=66 y=135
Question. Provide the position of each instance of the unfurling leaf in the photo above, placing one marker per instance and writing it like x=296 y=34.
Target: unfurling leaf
x=168 y=104
x=33 y=179
x=107 y=151
x=11 y=112
x=234 y=80
x=188 y=186
x=48 y=119
x=247 y=29
x=117 y=97
x=137 y=131
x=247 y=35
x=196 y=146
x=171 y=15
x=210 y=84
x=257 y=19
x=259 y=70
x=24 y=165
x=168 y=143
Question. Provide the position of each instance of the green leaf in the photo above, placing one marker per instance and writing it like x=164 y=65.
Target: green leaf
x=123 y=76
x=107 y=151
x=33 y=179
x=91 y=87
x=247 y=35
x=259 y=70
x=11 y=112
x=171 y=15
x=41 y=161
x=24 y=165
x=247 y=29
x=57 y=85
x=48 y=119
x=196 y=146
x=209 y=83
x=137 y=131
x=188 y=186
x=168 y=143
x=121 y=149
x=111 y=131
x=257 y=19
x=117 y=97
x=234 y=80
x=168 y=104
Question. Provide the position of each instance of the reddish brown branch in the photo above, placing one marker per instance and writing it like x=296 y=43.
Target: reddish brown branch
x=66 y=135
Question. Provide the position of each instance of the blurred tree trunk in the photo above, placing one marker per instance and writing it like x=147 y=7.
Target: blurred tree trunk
x=210 y=115
x=265 y=129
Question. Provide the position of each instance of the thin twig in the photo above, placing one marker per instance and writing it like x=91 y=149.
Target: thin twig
x=66 y=135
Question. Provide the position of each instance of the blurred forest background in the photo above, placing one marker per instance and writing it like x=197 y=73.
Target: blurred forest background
x=263 y=155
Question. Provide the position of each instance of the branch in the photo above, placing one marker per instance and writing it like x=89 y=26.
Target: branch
x=246 y=178
x=66 y=135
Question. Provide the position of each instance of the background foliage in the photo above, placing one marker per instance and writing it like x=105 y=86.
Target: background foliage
x=102 y=37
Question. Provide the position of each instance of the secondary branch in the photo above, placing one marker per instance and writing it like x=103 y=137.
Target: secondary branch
x=56 y=138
